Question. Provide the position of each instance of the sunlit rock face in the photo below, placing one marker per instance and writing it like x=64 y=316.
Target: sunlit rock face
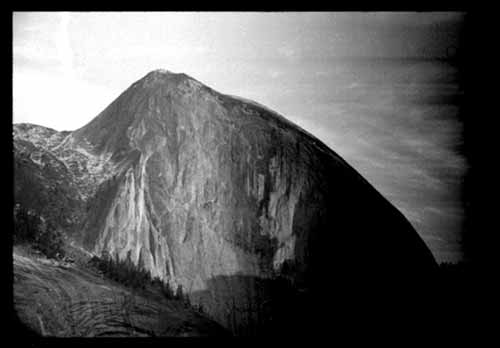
x=234 y=203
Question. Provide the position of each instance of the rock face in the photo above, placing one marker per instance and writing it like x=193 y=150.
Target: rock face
x=231 y=201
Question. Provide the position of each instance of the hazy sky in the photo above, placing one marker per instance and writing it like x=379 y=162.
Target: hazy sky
x=376 y=87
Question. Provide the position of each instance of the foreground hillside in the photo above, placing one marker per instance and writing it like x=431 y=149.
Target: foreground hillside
x=55 y=298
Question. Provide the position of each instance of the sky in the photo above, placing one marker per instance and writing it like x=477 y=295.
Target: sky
x=380 y=89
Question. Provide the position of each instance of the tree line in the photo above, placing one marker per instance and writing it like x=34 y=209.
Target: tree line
x=138 y=278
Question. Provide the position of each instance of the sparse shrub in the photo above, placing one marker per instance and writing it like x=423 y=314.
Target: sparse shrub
x=30 y=227
x=182 y=297
x=50 y=241
x=199 y=308
x=178 y=293
x=26 y=224
x=167 y=290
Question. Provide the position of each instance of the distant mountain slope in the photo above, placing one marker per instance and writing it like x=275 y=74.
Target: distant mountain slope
x=55 y=177
x=43 y=183
x=237 y=205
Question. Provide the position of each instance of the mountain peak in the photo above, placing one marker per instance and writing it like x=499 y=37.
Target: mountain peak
x=163 y=76
x=161 y=72
x=164 y=73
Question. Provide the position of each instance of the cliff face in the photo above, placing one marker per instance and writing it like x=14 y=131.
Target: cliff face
x=232 y=202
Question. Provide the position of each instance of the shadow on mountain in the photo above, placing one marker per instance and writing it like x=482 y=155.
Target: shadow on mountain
x=357 y=264
x=254 y=306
